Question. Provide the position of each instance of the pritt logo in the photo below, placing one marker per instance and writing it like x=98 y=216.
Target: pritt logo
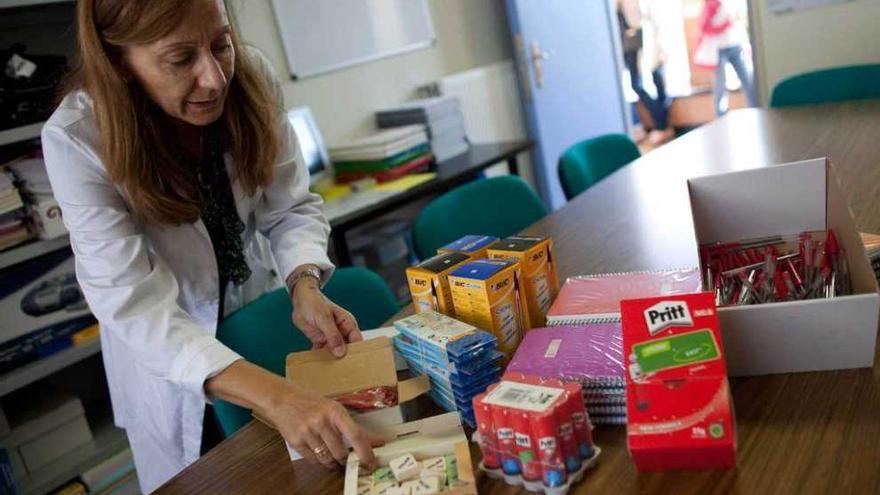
x=523 y=441
x=547 y=443
x=505 y=434
x=666 y=314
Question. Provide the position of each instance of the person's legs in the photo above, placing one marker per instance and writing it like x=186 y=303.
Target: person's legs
x=631 y=60
x=661 y=112
x=720 y=87
x=735 y=55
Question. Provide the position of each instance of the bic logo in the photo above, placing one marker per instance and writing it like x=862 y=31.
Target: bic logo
x=502 y=284
x=420 y=282
x=538 y=255
x=666 y=314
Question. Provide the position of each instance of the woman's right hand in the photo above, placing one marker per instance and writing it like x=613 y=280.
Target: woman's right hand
x=310 y=423
x=318 y=429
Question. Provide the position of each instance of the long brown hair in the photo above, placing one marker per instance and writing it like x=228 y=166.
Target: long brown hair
x=132 y=132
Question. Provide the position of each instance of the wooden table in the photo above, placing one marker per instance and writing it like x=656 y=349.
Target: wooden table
x=797 y=433
x=450 y=173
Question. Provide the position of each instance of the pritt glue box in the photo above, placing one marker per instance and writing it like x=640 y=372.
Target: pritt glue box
x=538 y=266
x=428 y=283
x=489 y=294
x=679 y=410
x=474 y=246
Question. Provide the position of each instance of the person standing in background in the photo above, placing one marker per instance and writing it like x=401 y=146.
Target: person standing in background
x=721 y=42
x=630 y=19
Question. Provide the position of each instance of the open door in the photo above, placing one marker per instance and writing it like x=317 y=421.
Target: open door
x=569 y=65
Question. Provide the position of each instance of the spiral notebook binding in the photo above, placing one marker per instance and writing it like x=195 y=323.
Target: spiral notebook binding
x=584 y=320
x=635 y=272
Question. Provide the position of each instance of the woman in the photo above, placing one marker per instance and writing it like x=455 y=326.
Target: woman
x=170 y=159
x=721 y=40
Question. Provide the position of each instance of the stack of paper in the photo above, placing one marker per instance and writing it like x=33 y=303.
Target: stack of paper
x=385 y=155
x=12 y=228
x=590 y=354
x=443 y=118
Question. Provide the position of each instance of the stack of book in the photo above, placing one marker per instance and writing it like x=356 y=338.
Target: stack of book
x=588 y=354
x=33 y=182
x=385 y=155
x=443 y=118
x=12 y=226
x=584 y=341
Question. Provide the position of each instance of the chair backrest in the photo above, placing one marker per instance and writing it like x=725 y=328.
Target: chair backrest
x=262 y=331
x=854 y=82
x=589 y=161
x=499 y=206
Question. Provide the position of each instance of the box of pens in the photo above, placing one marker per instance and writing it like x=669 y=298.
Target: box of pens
x=459 y=359
x=535 y=433
x=779 y=249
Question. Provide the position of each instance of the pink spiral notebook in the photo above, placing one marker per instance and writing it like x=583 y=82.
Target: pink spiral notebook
x=596 y=298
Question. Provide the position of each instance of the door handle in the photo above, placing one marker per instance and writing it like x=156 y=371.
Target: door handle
x=538 y=56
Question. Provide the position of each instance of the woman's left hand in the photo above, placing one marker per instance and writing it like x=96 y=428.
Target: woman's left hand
x=322 y=321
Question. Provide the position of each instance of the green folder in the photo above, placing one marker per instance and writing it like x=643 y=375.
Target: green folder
x=382 y=165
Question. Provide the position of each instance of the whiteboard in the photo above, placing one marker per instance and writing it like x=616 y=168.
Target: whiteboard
x=324 y=35
x=787 y=6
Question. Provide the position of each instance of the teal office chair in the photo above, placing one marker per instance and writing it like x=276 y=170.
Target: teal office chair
x=263 y=334
x=500 y=206
x=587 y=162
x=854 y=82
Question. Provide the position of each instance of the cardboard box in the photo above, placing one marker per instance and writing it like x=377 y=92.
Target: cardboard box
x=42 y=295
x=811 y=335
x=489 y=294
x=366 y=365
x=429 y=437
x=46 y=216
x=429 y=284
x=474 y=246
x=537 y=262
x=679 y=410
x=47 y=427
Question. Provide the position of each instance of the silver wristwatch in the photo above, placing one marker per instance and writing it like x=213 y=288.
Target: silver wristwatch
x=311 y=272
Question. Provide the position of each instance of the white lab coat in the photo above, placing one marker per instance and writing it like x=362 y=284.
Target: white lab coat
x=154 y=289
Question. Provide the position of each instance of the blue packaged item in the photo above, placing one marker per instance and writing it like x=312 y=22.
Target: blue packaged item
x=444 y=338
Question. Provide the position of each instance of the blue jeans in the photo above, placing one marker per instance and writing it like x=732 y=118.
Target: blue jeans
x=732 y=54
x=659 y=107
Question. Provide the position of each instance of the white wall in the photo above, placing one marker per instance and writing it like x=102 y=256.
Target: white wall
x=470 y=33
x=812 y=39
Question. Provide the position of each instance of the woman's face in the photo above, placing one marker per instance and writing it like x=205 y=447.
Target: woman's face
x=187 y=73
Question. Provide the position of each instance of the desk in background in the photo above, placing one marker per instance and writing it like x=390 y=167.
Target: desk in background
x=363 y=207
x=797 y=433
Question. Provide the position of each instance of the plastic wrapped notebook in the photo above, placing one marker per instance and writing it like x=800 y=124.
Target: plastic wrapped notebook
x=591 y=355
x=596 y=298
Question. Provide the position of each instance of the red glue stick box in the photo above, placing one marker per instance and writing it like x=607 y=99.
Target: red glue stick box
x=679 y=409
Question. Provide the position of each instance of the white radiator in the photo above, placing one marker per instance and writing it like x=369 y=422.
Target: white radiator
x=491 y=107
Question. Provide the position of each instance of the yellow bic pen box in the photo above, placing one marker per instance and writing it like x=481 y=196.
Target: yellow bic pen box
x=488 y=295
x=428 y=283
x=536 y=260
